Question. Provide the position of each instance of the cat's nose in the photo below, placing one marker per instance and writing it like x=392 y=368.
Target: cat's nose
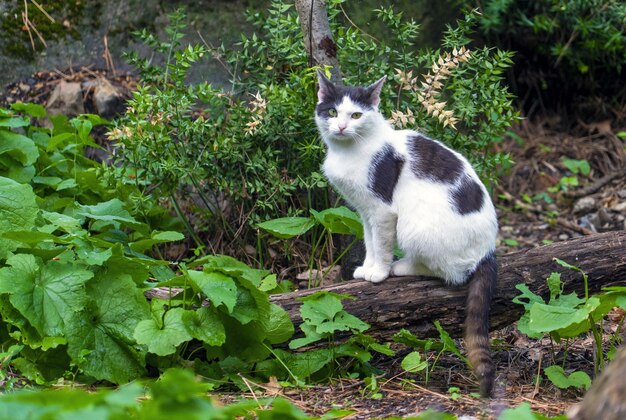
x=342 y=127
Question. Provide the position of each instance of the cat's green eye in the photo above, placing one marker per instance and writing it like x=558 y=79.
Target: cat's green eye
x=356 y=115
x=332 y=112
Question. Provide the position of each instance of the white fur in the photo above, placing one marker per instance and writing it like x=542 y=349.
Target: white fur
x=436 y=240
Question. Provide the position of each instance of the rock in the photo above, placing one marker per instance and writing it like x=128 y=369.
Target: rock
x=66 y=99
x=622 y=193
x=587 y=223
x=584 y=205
x=563 y=237
x=620 y=207
x=107 y=98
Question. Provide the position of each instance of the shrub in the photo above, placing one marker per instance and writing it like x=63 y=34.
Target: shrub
x=252 y=152
x=567 y=49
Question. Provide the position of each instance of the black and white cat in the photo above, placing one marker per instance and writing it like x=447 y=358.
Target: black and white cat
x=418 y=193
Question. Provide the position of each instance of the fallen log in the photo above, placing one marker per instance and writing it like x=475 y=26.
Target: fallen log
x=415 y=303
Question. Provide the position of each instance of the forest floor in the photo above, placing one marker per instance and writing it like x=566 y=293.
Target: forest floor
x=537 y=204
x=529 y=216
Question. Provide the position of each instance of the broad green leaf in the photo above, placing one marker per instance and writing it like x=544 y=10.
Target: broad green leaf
x=47 y=295
x=205 y=325
x=64 y=222
x=218 y=288
x=305 y=364
x=310 y=336
x=105 y=328
x=340 y=220
x=19 y=147
x=15 y=122
x=320 y=306
x=163 y=340
x=110 y=212
x=268 y=283
x=413 y=362
x=278 y=326
x=577 y=379
x=42 y=367
x=246 y=308
x=287 y=227
x=232 y=268
x=529 y=297
x=34 y=110
x=547 y=318
x=32 y=237
x=156 y=238
x=18 y=211
x=343 y=321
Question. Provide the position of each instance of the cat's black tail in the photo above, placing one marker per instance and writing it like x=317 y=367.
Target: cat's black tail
x=482 y=284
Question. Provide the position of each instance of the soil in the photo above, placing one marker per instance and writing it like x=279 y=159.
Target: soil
x=529 y=216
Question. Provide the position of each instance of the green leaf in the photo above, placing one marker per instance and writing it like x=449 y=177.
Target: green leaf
x=19 y=147
x=413 y=362
x=34 y=110
x=320 y=307
x=340 y=220
x=407 y=338
x=305 y=364
x=548 y=318
x=287 y=227
x=524 y=412
x=448 y=342
x=163 y=340
x=232 y=268
x=47 y=295
x=156 y=238
x=15 y=122
x=577 y=379
x=278 y=326
x=205 y=325
x=217 y=287
x=110 y=212
x=106 y=326
x=343 y=321
x=18 y=211
x=555 y=286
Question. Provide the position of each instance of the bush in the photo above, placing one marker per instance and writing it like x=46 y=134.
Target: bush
x=567 y=49
x=252 y=152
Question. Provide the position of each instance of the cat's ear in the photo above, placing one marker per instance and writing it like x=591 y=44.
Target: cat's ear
x=326 y=87
x=374 y=91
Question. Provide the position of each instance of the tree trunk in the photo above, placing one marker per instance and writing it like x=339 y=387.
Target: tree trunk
x=318 y=39
x=409 y=302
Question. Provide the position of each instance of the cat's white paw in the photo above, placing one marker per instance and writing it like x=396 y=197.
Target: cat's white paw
x=376 y=274
x=359 y=273
x=403 y=267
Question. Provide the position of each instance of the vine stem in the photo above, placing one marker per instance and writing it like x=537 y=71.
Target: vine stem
x=188 y=226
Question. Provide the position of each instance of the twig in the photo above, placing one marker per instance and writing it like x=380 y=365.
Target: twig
x=25 y=20
x=573 y=226
x=41 y=9
x=592 y=188
x=107 y=56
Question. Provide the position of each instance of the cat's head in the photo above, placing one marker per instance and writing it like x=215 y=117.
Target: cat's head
x=345 y=114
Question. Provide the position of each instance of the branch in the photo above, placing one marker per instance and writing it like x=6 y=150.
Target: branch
x=318 y=39
x=409 y=302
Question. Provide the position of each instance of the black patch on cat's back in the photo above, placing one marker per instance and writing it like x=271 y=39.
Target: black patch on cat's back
x=385 y=169
x=467 y=197
x=431 y=160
